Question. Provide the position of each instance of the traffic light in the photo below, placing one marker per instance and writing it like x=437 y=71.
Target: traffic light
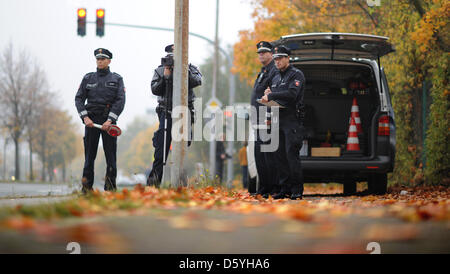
x=100 y=30
x=81 y=30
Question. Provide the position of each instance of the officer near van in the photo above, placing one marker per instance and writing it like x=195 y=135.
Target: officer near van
x=287 y=89
x=161 y=86
x=105 y=94
x=264 y=161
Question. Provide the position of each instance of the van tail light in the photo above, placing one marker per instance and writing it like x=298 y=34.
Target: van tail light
x=383 y=126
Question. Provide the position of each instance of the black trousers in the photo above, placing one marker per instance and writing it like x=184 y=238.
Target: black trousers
x=267 y=171
x=266 y=164
x=288 y=157
x=91 y=139
x=158 y=143
x=245 y=176
x=219 y=169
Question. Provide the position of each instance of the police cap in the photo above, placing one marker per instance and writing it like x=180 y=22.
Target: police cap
x=169 y=49
x=281 y=51
x=102 y=53
x=264 y=46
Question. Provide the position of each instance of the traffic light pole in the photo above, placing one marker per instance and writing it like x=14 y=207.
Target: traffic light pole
x=163 y=29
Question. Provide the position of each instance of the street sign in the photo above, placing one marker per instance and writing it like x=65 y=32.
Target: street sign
x=213 y=103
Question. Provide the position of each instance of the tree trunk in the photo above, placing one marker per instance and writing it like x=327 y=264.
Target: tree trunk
x=44 y=160
x=17 y=162
x=30 y=143
x=50 y=171
x=64 y=172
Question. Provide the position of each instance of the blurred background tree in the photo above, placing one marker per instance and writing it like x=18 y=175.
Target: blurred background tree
x=31 y=114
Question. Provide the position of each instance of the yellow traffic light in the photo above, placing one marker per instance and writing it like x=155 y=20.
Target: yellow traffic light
x=100 y=13
x=100 y=29
x=81 y=12
x=81 y=29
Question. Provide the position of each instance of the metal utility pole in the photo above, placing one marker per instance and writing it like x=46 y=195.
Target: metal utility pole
x=230 y=147
x=216 y=52
x=212 y=144
x=5 y=144
x=180 y=90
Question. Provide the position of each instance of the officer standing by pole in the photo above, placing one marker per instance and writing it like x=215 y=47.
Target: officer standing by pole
x=264 y=160
x=162 y=86
x=105 y=94
x=287 y=89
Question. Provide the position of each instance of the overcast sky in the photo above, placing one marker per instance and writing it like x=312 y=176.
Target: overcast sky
x=47 y=30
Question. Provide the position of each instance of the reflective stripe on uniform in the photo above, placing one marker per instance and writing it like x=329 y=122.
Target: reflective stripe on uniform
x=113 y=115
x=84 y=112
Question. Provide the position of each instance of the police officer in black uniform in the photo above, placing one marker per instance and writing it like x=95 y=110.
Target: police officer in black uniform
x=105 y=95
x=162 y=84
x=287 y=89
x=265 y=161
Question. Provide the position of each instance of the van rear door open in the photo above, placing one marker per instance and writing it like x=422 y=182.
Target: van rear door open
x=336 y=45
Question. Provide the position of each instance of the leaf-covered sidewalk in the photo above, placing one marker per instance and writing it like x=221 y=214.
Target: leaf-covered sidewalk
x=217 y=220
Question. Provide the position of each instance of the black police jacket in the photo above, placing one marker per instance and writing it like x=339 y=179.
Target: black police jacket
x=263 y=81
x=288 y=88
x=104 y=92
x=158 y=85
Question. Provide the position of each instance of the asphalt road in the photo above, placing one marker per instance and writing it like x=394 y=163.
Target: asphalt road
x=166 y=230
x=11 y=190
x=15 y=190
x=161 y=233
x=188 y=231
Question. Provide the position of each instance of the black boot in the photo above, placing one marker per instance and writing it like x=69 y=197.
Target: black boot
x=110 y=184
x=153 y=180
x=296 y=196
x=85 y=189
x=281 y=195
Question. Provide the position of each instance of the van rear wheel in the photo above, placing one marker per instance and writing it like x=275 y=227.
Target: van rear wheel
x=377 y=184
x=349 y=188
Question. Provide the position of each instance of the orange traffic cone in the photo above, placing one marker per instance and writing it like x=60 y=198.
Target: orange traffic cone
x=352 y=139
x=355 y=115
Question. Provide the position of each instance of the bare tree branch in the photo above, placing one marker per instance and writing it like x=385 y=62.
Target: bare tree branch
x=361 y=6
x=21 y=81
